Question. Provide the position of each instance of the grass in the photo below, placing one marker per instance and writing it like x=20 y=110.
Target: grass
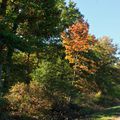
x=107 y=114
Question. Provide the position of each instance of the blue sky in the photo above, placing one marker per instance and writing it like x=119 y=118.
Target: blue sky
x=103 y=17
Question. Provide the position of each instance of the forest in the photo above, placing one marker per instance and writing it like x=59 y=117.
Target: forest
x=51 y=67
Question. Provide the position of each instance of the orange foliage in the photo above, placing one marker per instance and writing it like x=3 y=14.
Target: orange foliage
x=77 y=41
x=29 y=100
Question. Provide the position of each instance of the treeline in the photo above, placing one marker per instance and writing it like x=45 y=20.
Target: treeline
x=51 y=67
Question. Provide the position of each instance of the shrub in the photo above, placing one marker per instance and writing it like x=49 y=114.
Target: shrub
x=28 y=100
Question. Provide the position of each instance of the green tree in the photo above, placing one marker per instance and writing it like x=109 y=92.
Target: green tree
x=106 y=52
x=24 y=23
x=56 y=77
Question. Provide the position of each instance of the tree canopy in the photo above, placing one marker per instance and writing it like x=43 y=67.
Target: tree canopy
x=51 y=67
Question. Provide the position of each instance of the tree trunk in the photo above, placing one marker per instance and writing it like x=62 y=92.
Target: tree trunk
x=0 y=75
x=8 y=66
x=3 y=7
x=8 y=71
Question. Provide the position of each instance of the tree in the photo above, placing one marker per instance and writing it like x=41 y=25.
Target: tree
x=30 y=27
x=69 y=14
x=52 y=75
x=106 y=52
x=78 y=43
x=24 y=23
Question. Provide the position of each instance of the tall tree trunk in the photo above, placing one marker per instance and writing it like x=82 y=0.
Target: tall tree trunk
x=3 y=7
x=1 y=64
x=1 y=75
x=8 y=71
x=8 y=65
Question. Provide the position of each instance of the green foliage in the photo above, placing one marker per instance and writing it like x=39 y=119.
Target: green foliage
x=30 y=26
x=105 y=50
x=69 y=14
x=23 y=64
x=54 y=75
x=31 y=52
x=4 y=106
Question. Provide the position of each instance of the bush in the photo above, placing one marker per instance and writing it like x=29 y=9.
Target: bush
x=28 y=100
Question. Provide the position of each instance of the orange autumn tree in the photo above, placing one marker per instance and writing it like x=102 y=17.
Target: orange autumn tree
x=78 y=45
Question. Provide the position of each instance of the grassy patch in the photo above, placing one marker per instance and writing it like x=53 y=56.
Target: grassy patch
x=107 y=114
